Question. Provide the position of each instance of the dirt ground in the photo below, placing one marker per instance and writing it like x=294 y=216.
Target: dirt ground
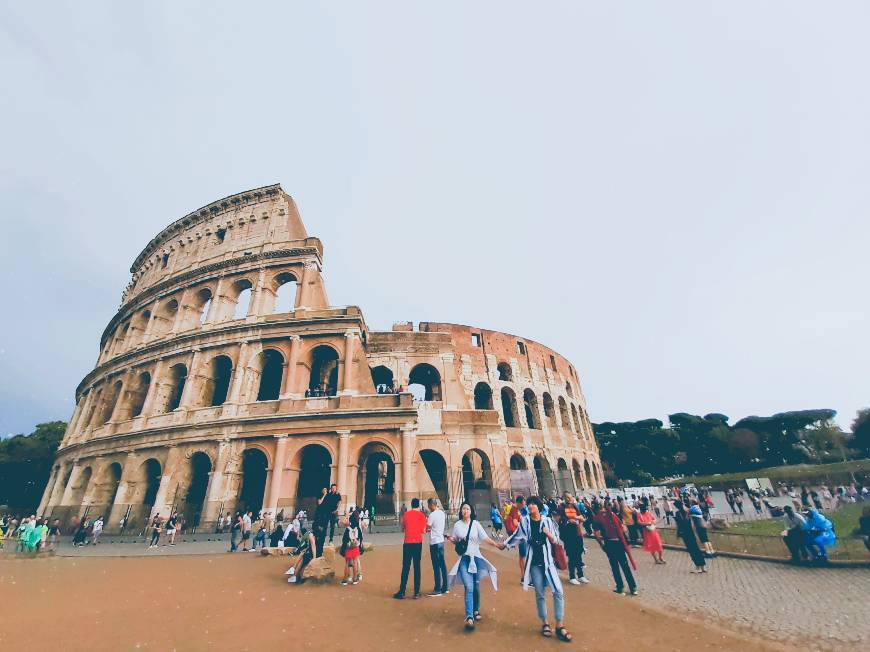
x=242 y=602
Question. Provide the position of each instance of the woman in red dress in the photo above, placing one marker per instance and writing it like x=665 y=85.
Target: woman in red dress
x=652 y=541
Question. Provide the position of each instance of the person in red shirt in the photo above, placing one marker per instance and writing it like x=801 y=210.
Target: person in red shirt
x=413 y=525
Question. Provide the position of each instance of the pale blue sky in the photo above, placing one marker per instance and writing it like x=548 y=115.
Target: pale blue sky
x=674 y=196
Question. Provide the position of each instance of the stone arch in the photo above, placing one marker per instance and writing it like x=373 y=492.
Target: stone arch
x=477 y=480
x=315 y=472
x=241 y=297
x=563 y=414
x=428 y=382
x=509 y=408
x=382 y=379
x=270 y=368
x=217 y=382
x=202 y=305
x=106 y=489
x=323 y=377
x=482 y=396
x=505 y=373
x=285 y=287
x=578 y=475
x=563 y=477
x=193 y=500
x=177 y=377
x=252 y=491
x=549 y=410
x=376 y=478
x=139 y=392
x=568 y=389
x=110 y=399
x=80 y=487
x=530 y=406
x=575 y=423
x=591 y=480
x=164 y=318
x=138 y=324
x=544 y=475
x=144 y=484
x=518 y=462
x=436 y=467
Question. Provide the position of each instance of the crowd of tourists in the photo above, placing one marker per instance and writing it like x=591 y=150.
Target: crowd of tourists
x=29 y=534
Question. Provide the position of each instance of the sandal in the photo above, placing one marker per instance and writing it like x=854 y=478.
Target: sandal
x=477 y=616
x=563 y=634
x=469 y=624
x=546 y=631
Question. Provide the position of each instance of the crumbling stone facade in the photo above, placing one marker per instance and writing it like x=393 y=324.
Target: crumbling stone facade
x=226 y=380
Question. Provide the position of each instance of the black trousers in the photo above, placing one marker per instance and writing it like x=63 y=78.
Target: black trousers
x=333 y=521
x=411 y=552
x=575 y=558
x=618 y=560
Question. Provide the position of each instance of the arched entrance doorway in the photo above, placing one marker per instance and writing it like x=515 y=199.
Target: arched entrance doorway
x=477 y=481
x=143 y=494
x=509 y=408
x=377 y=478
x=190 y=508
x=544 y=475
x=578 y=476
x=254 y=465
x=425 y=383
x=436 y=468
x=591 y=480
x=315 y=468
x=482 y=397
x=106 y=490
x=80 y=486
x=563 y=478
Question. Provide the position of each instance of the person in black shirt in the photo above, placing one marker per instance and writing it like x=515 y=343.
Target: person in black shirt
x=327 y=509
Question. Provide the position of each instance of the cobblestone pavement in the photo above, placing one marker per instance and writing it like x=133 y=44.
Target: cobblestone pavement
x=812 y=608
x=816 y=608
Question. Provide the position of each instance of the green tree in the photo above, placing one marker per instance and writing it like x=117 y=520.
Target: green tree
x=861 y=432
x=25 y=465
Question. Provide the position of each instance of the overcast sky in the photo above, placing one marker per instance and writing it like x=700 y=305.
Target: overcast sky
x=674 y=196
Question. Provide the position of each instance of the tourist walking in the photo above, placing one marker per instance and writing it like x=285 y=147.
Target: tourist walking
x=512 y=523
x=96 y=530
x=495 y=520
x=247 y=526
x=171 y=529
x=351 y=549
x=413 y=525
x=652 y=540
x=696 y=513
x=610 y=534
x=236 y=532
x=471 y=567
x=54 y=534
x=155 y=532
x=686 y=532
x=435 y=525
x=571 y=533
x=540 y=571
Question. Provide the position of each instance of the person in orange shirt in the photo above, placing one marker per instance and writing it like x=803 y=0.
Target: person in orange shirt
x=413 y=525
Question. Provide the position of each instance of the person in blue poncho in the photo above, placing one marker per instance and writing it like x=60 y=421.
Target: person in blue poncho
x=819 y=535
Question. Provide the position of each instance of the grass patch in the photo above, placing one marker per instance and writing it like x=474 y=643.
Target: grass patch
x=797 y=473
x=845 y=522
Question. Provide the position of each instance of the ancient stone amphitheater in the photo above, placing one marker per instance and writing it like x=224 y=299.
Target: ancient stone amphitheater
x=226 y=380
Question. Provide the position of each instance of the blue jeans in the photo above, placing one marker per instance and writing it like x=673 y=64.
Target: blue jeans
x=439 y=567
x=471 y=582
x=539 y=581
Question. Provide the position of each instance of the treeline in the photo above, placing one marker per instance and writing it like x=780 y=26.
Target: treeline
x=25 y=464
x=647 y=450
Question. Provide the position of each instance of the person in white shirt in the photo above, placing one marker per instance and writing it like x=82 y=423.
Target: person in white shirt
x=435 y=527
x=96 y=530
x=246 y=530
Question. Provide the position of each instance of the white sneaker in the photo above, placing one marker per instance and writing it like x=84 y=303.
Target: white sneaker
x=583 y=580
x=291 y=579
x=574 y=580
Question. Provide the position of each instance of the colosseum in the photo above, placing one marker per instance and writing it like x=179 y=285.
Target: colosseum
x=226 y=380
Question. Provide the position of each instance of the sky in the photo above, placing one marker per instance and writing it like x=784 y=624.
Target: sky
x=672 y=195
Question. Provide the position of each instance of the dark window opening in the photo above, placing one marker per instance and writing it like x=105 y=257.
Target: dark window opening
x=221 y=234
x=475 y=339
x=165 y=260
x=521 y=348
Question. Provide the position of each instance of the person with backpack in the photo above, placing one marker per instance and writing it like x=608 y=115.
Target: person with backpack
x=495 y=520
x=541 y=535
x=511 y=524
x=468 y=534
x=351 y=549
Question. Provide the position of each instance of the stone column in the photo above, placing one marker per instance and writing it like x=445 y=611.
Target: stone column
x=409 y=443
x=74 y=420
x=302 y=296
x=49 y=490
x=257 y=303
x=121 y=400
x=181 y=312
x=188 y=393
x=122 y=496
x=289 y=388
x=73 y=479
x=214 y=495
x=278 y=463
x=54 y=499
x=163 y=500
x=347 y=377
x=341 y=471
x=150 y=326
x=213 y=309
x=239 y=373
x=153 y=388
x=84 y=421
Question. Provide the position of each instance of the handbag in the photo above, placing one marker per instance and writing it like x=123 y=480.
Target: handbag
x=560 y=557
x=461 y=546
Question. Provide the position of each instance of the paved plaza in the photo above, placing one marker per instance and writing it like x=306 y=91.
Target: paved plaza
x=807 y=607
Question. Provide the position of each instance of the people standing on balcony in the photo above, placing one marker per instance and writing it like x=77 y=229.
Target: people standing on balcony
x=413 y=523
x=435 y=524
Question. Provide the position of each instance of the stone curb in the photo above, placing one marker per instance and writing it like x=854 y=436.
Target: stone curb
x=833 y=563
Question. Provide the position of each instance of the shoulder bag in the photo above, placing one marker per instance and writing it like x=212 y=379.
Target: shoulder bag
x=560 y=558
x=461 y=546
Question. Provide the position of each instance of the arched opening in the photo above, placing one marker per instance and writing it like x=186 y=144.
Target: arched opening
x=271 y=375
x=254 y=465
x=203 y=305
x=177 y=379
x=563 y=414
x=138 y=324
x=482 y=397
x=110 y=399
x=242 y=291
x=377 y=478
x=286 y=287
x=530 y=405
x=578 y=475
x=509 y=407
x=504 y=372
x=323 y=380
x=110 y=489
x=477 y=481
x=143 y=493
x=563 y=478
x=138 y=393
x=382 y=379
x=549 y=410
x=194 y=497
x=217 y=385
x=164 y=318
x=80 y=486
x=575 y=421
x=518 y=462
x=544 y=475
x=590 y=479
x=425 y=383
x=315 y=467
x=436 y=468
x=568 y=389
